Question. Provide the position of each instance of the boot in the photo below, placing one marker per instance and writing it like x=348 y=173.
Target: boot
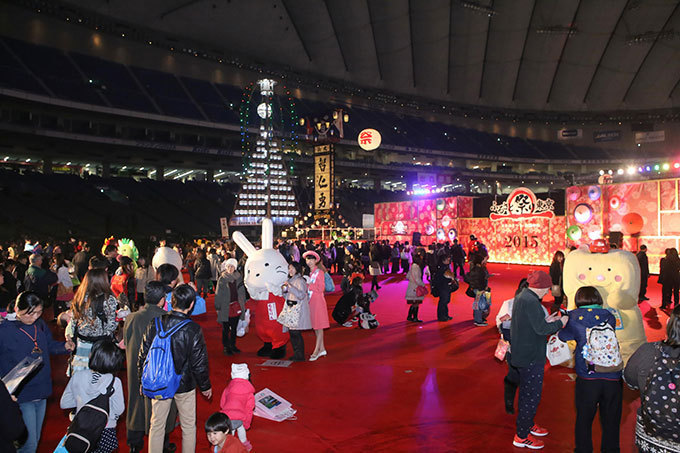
x=298 y=344
x=415 y=313
x=410 y=313
x=278 y=353
x=510 y=390
x=227 y=351
x=265 y=350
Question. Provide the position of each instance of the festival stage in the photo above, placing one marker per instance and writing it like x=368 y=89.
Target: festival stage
x=402 y=387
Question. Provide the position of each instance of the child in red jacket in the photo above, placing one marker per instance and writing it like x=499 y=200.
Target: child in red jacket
x=218 y=430
x=238 y=401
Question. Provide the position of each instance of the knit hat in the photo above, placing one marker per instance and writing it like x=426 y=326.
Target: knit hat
x=539 y=280
x=239 y=371
x=232 y=262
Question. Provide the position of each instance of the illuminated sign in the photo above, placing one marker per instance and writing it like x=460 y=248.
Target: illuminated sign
x=369 y=139
x=522 y=204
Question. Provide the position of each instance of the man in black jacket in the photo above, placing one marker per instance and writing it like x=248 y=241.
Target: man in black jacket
x=458 y=258
x=191 y=361
x=529 y=330
x=644 y=272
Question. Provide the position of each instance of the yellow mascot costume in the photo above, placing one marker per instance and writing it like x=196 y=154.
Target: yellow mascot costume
x=616 y=275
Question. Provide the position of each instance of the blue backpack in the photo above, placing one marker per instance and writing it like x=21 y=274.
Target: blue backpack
x=159 y=379
x=329 y=285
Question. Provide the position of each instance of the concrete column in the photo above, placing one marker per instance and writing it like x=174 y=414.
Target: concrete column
x=210 y=175
x=159 y=173
x=106 y=170
x=47 y=165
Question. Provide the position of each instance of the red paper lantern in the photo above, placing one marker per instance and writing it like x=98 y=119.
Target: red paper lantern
x=632 y=223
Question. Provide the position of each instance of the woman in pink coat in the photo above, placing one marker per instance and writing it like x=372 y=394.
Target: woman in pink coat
x=317 y=302
x=238 y=401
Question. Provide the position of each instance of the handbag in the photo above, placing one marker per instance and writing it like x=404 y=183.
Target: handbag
x=421 y=291
x=470 y=292
x=501 y=349
x=557 y=351
x=556 y=290
x=64 y=293
x=290 y=316
x=482 y=301
x=329 y=285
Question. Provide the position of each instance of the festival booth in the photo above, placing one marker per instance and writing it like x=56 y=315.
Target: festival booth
x=643 y=212
x=521 y=230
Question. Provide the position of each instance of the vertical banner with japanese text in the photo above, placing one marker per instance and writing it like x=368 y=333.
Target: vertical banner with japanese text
x=324 y=173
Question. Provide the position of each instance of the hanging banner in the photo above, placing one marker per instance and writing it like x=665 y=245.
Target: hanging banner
x=606 y=136
x=224 y=227
x=324 y=174
x=649 y=137
x=569 y=134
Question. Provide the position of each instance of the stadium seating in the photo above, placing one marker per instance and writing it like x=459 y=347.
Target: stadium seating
x=88 y=79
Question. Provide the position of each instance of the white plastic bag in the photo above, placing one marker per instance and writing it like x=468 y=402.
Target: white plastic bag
x=242 y=326
x=557 y=351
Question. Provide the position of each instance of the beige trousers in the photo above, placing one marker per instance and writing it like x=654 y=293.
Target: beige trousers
x=186 y=407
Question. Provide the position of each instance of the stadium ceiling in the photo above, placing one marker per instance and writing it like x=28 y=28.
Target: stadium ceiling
x=545 y=55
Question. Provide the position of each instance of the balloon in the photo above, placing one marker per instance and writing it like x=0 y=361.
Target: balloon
x=573 y=193
x=166 y=255
x=632 y=223
x=594 y=193
x=574 y=232
x=583 y=213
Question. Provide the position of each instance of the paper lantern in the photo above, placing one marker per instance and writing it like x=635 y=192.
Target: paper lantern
x=583 y=213
x=632 y=223
x=573 y=193
x=574 y=232
x=615 y=203
x=369 y=139
x=594 y=193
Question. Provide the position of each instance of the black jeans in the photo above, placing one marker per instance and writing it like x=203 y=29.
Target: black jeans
x=590 y=394
x=298 y=344
x=530 y=389
x=643 y=286
x=460 y=265
x=374 y=283
x=443 y=305
x=395 y=265
x=404 y=266
x=668 y=290
x=229 y=332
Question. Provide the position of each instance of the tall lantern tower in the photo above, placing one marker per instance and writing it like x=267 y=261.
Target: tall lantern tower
x=266 y=190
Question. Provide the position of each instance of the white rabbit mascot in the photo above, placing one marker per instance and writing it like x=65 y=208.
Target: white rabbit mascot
x=265 y=272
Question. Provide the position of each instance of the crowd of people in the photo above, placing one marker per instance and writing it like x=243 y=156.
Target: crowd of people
x=116 y=311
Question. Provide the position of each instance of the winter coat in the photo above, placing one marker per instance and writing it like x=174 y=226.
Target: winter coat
x=529 y=330
x=86 y=385
x=478 y=278
x=458 y=254
x=15 y=345
x=669 y=271
x=579 y=320
x=223 y=294
x=644 y=264
x=415 y=279
x=139 y=407
x=238 y=401
x=556 y=273
x=11 y=422
x=640 y=365
x=188 y=351
x=144 y=275
x=214 y=260
x=39 y=280
x=203 y=270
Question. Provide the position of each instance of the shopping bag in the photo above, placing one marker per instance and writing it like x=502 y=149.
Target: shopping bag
x=501 y=349
x=242 y=326
x=557 y=351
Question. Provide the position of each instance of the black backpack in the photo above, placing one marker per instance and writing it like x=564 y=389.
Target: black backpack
x=661 y=397
x=87 y=426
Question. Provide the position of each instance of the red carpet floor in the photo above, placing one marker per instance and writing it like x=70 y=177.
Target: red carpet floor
x=402 y=387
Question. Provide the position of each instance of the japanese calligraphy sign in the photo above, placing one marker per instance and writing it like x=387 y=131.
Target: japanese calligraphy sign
x=324 y=173
x=369 y=139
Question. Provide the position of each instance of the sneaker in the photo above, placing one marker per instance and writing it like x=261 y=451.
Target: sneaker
x=347 y=324
x=530 y=442
x=539 y=431
x=248 y=445
x=481 y=324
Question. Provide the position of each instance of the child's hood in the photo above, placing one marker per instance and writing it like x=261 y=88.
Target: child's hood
x=239 y=385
